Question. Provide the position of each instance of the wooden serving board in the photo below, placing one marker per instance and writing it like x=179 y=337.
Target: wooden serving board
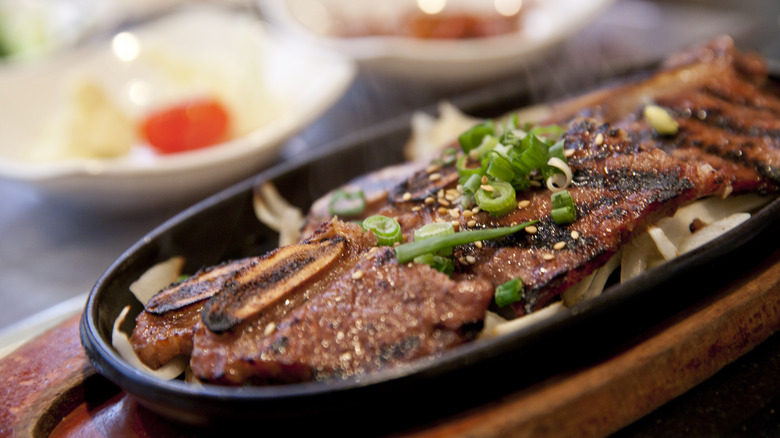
x=50 y=389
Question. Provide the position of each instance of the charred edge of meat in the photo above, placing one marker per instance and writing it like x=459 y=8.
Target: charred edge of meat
x=537 y=297
x=269 y=280
x=424 y=184
x=200 y=286
x=662 y=185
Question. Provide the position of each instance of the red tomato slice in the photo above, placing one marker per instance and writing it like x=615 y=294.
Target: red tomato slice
x=187 y=126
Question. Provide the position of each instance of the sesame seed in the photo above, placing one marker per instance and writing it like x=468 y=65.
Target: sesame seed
x=455 y=224
x=531 y=229
x=568 y=153
x=416 y=208
x=444 y=202
x=476 y=210
x=575 y=235
x=599 y=139
x=270 y=328
x=432 y=168
x=524 y=203
x=440 y=194
x=443 y=210
x=472 y=223
x=484 y=179
x=434 y=177
x=430 y=200
x=478 y=244
x=559 y=245
x=486 y=187
x=357 y=275
x=548 y=257
x=471 y=259
x=455 y=213
x=407 y=196
x=467 y=214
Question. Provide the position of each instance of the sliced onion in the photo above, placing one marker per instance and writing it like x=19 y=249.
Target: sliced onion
x=121 y=342
x=558 y=182
x=156 y=278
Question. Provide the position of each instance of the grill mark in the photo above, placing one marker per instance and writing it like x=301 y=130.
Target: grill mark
x=736 y=156
x=740 y=101
x=715 y=118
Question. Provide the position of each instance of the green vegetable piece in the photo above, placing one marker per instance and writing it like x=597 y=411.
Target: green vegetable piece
x=344 y=203
x=386 y=229
x=408 y=251
x=437 y=262
x=660 y=119
x=509 y=292
x=499 y=201
x=435 y=229
x=474 y=136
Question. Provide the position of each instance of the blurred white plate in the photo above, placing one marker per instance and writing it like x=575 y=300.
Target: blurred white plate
x=276 y=88
x=543 y=24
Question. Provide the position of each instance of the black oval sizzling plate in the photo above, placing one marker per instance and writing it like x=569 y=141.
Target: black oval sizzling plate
x=224 y=226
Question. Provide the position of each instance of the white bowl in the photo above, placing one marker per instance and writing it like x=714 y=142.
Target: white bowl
x=275 y=87
x=543 y=24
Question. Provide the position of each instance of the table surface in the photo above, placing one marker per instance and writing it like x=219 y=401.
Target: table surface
x=51 y=254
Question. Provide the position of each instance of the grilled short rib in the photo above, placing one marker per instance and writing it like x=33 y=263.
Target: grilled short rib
x=363 y=311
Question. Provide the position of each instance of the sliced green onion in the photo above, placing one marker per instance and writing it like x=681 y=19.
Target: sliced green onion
x=564 y=215
x=488 y=144
x=511 y=138
x=464 y=171
x=386 y=229
x=533 y=155
x=473 y=137
x=563 y=210
x=408 y=251
x=471 y=185
x=509 y=292
x=660 y=119
x=500 y=168
x=437 y=262
x=553 y=131
x=499 y=201
x=557 y=151
x=562 y=199
x=435 y=229
x=344 y=203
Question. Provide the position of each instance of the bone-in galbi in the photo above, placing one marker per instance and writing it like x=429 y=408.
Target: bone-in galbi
x=486 y=226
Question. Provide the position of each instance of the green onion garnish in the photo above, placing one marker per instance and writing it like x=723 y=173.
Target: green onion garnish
x=344 y=203
x=499 y=201
x=500 y=167
x=474 y=136
x=386 y=229
x=435 y=229
x=563 y=210
x=408 y=251
x=509 y=292
x=464 y=171
x=472 y=184
x=563 y=215
x=437 y=262
x=533 y=156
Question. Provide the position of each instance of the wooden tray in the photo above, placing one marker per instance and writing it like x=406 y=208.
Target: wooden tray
x=52 y=390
